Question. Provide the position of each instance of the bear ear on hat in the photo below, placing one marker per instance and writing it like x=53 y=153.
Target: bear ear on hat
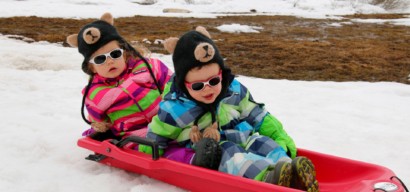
x=203 y=31
x=170 y=44
x=72 y=40
x=107 y=17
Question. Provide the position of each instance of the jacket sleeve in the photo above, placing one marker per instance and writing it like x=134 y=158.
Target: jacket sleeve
x=162 y=129
x=163 y=73
x=272 y=128
x=264 y=123
x=95 y=107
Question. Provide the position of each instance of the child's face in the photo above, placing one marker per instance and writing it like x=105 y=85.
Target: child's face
x=111 y=68
x=206 y=77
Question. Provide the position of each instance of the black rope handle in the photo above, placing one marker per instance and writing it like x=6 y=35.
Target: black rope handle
x=401 y=182
x=391 y=178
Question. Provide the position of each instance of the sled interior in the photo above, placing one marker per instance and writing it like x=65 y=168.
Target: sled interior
x=333 y=173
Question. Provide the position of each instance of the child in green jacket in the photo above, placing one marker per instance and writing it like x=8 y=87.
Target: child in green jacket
x=206 y=109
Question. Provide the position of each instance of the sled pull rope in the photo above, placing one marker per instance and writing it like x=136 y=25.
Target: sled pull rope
x=401 y=182
x=139 y=140
x=389 y=186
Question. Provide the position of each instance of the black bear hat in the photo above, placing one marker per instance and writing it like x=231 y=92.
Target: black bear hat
x=93 y=36
x=194 y=49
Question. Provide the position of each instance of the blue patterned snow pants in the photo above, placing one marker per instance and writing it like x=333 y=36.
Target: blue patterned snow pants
x=249 y=161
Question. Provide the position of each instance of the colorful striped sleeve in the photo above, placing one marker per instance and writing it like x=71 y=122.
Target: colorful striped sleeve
x=98 y=100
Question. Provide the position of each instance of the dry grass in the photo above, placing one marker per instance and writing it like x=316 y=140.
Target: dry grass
x=287 y=47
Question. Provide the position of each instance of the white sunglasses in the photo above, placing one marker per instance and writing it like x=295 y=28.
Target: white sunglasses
x=100 y=59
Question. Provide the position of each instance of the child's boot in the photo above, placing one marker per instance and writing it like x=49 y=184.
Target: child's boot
x=208 y=154
x=279 y=174
x=304 y=175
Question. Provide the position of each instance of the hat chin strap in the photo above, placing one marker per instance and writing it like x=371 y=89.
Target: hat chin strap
x=148 y=66
x=87 y=89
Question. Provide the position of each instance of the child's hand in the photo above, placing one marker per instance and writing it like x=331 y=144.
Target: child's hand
x=212 y=132
x=101 y=126
x=195 y=135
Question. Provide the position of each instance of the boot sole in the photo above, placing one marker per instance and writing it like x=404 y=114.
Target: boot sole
x=305 y=171
x=282 y=174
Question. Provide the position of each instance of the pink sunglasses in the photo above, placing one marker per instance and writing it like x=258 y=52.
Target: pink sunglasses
x=199 y=85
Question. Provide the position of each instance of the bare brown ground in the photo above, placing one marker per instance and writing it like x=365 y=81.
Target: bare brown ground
x=287 y=47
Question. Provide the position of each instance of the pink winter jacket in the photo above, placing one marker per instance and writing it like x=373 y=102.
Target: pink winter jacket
x=130 y=100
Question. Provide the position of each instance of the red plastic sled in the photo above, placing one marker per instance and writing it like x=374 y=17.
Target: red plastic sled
x=333 y=173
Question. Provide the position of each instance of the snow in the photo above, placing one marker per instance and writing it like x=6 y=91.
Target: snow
x=198 y=8
x=238 y=28
x=41 y=82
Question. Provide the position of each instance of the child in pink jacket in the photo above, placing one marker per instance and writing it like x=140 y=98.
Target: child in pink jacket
x=125 y=88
